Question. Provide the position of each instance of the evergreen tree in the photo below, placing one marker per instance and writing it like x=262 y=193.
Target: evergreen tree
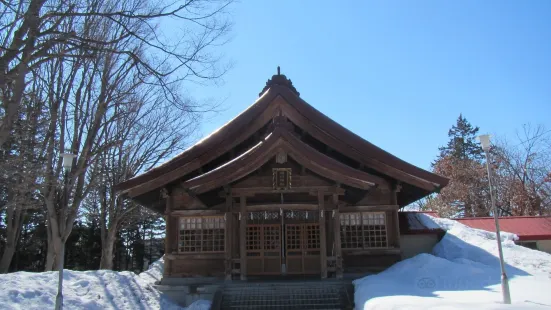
x=32 y=244
x=462 y=143
x=461 y=160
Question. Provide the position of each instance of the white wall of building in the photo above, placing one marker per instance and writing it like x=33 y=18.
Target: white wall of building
x=544 y=245
x=412 y=245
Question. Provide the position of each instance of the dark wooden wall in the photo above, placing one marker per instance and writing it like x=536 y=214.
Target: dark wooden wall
x=185 y=265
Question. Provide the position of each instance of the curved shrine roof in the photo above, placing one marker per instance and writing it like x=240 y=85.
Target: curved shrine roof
x=280 y=95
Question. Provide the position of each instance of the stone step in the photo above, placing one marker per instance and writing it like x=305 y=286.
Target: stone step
x=284 y=295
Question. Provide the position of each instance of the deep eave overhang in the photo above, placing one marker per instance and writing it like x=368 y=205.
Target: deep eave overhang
x=278 y=141
x=279 y=97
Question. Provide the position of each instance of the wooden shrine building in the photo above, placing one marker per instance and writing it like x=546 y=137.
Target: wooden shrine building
x=281 y=190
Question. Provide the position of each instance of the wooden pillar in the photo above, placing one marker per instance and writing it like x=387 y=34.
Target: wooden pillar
x=242 y=236
x=228 y=235
x=394 y=199
x=323 y=239
x=168 y=232
x=337 y=236
x=397 y=227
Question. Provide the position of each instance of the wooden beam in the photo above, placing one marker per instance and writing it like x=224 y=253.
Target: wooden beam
x=298 y=181
x=277 y=206
x=185 y=198
x=323 y=237
x=194 y=212
x=337 y=236
x=198 y=256
x=384 y=251
x=196 y=202
x=251 y=191
x=368 y=208
x=237 y=194
x=243 y=236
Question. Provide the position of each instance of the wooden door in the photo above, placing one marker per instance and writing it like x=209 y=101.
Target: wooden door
x=263 y=248
x=302 y=248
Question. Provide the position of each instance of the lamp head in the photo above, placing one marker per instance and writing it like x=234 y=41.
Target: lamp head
x=484 y=142
x=67 y=160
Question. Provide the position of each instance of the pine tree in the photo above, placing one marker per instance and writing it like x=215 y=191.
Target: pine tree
x=461 y=160
x=462 y=143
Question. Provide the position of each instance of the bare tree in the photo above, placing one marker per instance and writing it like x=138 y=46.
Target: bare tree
x=151 y=133
x=523 y=172
x=19 y=171
x=94 y=62
x=33 y=32
x=467 y=193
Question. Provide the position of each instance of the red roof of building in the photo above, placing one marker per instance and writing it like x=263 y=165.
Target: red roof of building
x=525 y=227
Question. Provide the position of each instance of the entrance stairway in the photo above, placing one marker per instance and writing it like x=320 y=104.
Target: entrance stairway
x=285 y=295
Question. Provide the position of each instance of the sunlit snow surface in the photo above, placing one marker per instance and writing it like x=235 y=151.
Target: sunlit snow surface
x=462 y=273
x=101 y=289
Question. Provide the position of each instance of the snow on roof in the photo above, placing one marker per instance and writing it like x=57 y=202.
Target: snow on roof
x=525 y=227
x=233 y=160
x=417 y=222
x=201 y=140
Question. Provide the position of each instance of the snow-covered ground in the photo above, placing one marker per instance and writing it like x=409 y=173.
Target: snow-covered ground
x=91 y=290
x=462 y=272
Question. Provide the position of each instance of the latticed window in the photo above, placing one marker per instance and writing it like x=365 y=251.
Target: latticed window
x=202 y=234
x=363 y=230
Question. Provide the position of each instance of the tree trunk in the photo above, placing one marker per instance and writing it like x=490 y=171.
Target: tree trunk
x=7 y=256
x=13 y=217
x=54 y=246
x=107 y=247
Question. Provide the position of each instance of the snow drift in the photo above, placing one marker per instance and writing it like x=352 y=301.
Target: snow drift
x=91 y=290
x=462 y=272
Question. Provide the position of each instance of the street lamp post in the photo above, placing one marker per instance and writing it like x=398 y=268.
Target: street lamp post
x=485 y=142
x=67 y=164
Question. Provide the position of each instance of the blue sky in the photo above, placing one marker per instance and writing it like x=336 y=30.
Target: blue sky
x=397 y=73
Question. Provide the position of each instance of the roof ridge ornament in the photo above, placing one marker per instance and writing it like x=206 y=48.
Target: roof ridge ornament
x=279 y=79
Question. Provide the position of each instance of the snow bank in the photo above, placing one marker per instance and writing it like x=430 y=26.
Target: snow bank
x=463 y=272
x=463 y=242
x=98 y=289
